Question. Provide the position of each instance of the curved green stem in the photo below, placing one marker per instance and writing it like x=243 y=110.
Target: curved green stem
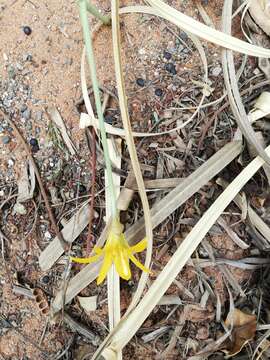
x=105 y=19
x=93 y=72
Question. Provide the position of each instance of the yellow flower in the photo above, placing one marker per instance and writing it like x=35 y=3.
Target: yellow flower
x=117 y=251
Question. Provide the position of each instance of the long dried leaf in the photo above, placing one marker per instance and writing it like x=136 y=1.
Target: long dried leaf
x=232 y=87
x=197 y=28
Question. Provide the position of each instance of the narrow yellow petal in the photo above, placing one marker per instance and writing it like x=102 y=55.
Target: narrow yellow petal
x=139 y=264
x=107 y=263
x=139 y=247
x=88 y=260
x=98 y=250
x=121 y=262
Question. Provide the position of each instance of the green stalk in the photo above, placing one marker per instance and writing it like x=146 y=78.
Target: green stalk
x=93 y=72
x=105 y=19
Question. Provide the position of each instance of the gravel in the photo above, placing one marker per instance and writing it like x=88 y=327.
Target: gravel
x=6 y=140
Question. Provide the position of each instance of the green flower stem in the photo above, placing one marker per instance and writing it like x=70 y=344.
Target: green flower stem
x=93 y=72
x=105 y=19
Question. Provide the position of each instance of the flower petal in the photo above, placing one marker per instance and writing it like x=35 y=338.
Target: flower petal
x=98 y=250
x=88 y=260
x=139 y=264
x=107 y=263
x=121 y=261
x=139 y=247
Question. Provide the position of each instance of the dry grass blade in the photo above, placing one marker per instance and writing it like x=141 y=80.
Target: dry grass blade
x=197 y=28
x=132 y=323
x=232 y=88
x=70 y=232
x=57 y=119
x=159 y=212
x=131 y=145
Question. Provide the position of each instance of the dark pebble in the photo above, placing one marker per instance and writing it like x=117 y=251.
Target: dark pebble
x=27 y=30
x=140 y=82
x=167 y=55
x=6 y=140
x=109 y=119
x=35 y=148
x=33 y=142
x=82 y=189
x=46 y=279
x=171 y=68
x=158 y=92
x=184 y=35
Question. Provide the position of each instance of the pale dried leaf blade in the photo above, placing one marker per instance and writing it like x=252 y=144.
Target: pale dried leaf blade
x=230 y=80
x=57 y=119
x=70 y=232
x=88 y=304
x=26 y=183
x=260 y=12
x=197 y=28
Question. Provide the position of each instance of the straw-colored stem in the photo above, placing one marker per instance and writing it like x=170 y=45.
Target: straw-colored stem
x=105 y=19
x=93 y=72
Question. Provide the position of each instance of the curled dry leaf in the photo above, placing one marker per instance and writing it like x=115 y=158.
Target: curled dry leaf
x=88 y=303
x=244 y=328
x=260 y=12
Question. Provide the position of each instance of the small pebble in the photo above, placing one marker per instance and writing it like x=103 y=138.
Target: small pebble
x=23 y=108
x=33 y=142
x=39 y=114
x=46 y=279
x=183 y=35
x=26 y=114
x=158 y=92
x=216 y=71
x=27 y=30
x=47 y=235
x=171 y=68
x=35 y=148
x=167 y=55
x=10 y=162
x=109 y=119
x=140 y=82
x=5 y=140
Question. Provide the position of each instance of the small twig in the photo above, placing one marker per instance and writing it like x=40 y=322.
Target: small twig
x=41 y=186
x=105 y=19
